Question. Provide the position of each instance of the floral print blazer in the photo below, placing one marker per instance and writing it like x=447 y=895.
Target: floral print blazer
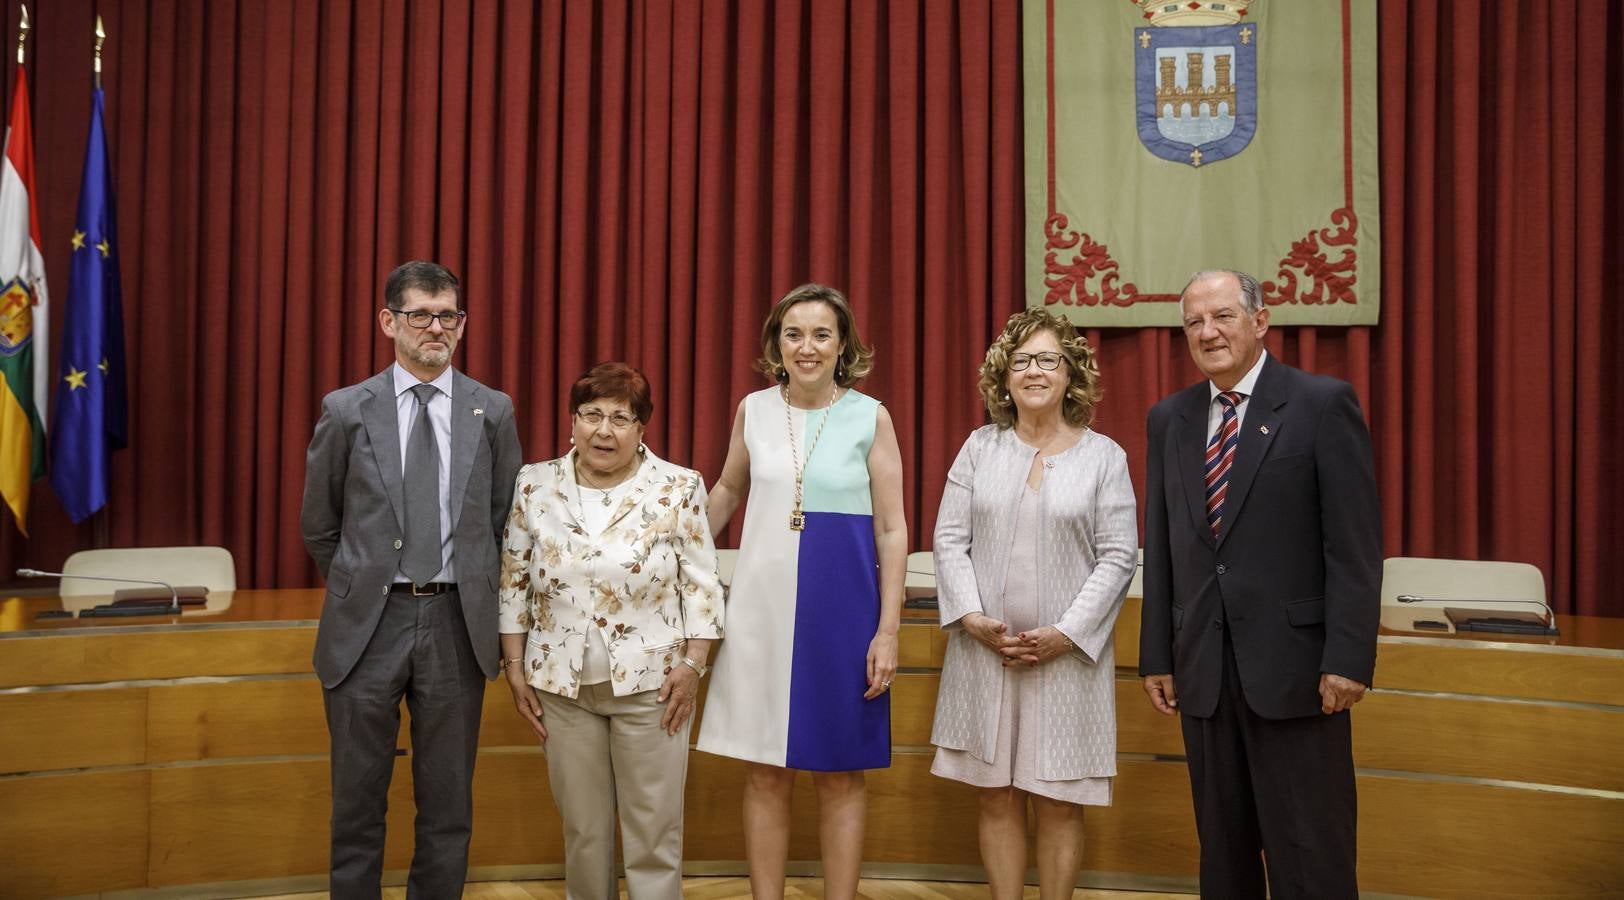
x=647 y=582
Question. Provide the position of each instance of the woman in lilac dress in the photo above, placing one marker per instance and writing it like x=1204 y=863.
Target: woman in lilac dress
x=1035 y=545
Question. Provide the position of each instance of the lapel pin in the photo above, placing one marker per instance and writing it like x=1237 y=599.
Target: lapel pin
x=481 y=412
x=1263 y=428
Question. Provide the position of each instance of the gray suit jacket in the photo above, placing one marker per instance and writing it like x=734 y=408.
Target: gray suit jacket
x=353 y=507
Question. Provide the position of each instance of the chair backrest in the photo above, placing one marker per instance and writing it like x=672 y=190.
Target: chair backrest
x=919 y=577
x=211 y=567
x=1136 y=584
x=922 y=562
x=726 y=560
x=1443 y=580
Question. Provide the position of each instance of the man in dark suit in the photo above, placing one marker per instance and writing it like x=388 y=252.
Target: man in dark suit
x=407 y=486
x=1262 y=585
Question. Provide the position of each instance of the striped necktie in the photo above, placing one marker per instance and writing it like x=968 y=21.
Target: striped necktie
x=1221 y=458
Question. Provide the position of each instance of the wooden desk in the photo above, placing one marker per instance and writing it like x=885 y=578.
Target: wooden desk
x=191 y=750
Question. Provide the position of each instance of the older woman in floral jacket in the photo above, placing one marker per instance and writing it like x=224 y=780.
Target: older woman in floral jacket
x=610 y=599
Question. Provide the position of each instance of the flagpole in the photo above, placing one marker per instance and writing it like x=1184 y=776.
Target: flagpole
x=101 y=523
x=22 y=34
x=101 y=35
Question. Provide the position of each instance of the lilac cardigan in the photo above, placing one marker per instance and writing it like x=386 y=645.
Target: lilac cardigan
x=1087 y=553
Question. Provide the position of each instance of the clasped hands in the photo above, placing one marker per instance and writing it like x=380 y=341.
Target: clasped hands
x=1029 y=648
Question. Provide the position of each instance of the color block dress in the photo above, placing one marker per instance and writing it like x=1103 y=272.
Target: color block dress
x=789 y=679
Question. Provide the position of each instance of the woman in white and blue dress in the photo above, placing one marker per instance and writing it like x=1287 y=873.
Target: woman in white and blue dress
x=801 y=681
x=1035 y=545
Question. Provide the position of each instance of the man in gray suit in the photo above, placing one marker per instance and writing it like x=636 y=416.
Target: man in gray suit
x=407 y=485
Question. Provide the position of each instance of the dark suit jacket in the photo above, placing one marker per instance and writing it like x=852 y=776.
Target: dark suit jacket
x=353 y=521
x=1295 y=571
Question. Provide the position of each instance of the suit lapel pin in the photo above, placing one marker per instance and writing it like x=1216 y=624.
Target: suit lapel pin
x=478 y=411
x=1263 y=428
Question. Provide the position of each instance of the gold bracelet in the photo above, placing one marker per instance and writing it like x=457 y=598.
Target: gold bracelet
x=510 y=662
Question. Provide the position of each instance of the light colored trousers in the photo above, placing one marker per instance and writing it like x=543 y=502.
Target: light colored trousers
x=608 y=753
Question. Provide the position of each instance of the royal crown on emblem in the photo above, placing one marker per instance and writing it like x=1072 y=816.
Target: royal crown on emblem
x=1193 y=12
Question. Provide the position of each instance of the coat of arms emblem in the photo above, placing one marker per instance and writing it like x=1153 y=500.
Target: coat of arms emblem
x=1195 y=76
x=16 y=318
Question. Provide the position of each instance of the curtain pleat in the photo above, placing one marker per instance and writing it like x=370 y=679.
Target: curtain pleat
x=641 y=180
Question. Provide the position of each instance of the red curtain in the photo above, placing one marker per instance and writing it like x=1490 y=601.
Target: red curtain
x=640 y=180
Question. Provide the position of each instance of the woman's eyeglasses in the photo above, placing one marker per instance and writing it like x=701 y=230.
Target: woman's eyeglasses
x=1048 y=362
x=594 y=417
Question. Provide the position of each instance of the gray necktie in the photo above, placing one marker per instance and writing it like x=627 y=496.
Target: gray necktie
x=420 y=559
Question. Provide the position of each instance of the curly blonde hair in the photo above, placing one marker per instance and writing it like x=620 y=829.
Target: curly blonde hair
x=856 y=359
x=1083 y=388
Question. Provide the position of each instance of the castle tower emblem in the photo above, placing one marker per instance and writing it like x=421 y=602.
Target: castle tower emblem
x=1195 y=75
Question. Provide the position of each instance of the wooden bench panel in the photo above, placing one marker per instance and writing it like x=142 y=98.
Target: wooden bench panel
x=72 y=729
x=68 y=834
x=132 y=656
x=1453 y=839
x=278 y=717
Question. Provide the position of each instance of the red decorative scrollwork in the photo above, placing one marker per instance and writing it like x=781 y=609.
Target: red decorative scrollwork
x=1068 y=282
x=1307 y=275
x=1323 y=280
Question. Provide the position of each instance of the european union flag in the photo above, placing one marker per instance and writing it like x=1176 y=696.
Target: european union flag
x=91 y=417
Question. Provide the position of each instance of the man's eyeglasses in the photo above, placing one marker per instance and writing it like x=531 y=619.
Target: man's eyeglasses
x=420 y=318
x=594 y=417
x=1048 y=362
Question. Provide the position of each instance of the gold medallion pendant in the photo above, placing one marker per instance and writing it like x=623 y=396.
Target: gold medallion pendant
x=797 y=519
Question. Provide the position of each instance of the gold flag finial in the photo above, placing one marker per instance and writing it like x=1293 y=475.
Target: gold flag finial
x=101 y=35
x=22 y=34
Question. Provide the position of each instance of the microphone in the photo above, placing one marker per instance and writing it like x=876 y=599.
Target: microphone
x=142 y=607
x=1490 y=603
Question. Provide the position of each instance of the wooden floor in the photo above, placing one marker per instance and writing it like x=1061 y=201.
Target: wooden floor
x=729 y=888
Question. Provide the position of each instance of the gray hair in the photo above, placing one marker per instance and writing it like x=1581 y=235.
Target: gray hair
x=1251 y=292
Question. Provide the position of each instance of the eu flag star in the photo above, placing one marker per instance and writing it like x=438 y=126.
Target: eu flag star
x=103 y=366
x=76 y=379
x=78 y=240
x=105 y=248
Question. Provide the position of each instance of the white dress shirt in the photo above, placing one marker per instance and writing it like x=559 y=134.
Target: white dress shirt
x=440 y=418
x=1215 y=410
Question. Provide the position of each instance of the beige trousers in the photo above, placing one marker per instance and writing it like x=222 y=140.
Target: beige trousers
x=608 y=754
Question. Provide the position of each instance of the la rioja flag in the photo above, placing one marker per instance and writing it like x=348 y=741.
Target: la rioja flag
x=23 y=316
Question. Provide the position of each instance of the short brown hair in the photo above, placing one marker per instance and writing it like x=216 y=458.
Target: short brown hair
x=613 y=381
x=1082 y=393
x=419 y=275
x=856 y=358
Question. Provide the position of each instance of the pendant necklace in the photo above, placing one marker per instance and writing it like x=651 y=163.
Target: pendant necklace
x=797 y=519
x=608 y=492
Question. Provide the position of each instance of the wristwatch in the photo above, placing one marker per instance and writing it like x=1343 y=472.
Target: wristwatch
x=695 y=666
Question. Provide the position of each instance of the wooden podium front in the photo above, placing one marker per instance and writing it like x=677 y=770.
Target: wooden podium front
x=191 y=751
